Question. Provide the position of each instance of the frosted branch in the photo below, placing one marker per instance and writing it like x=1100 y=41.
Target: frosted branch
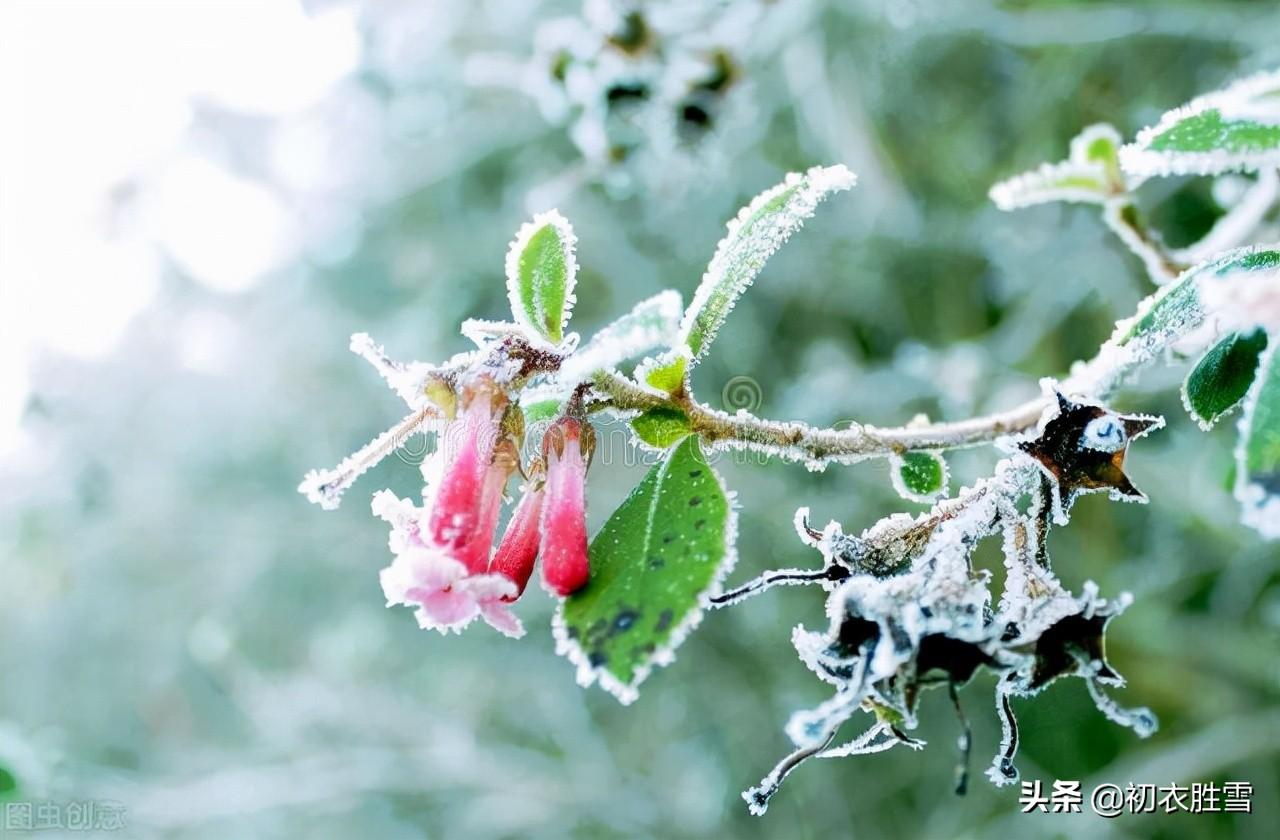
x=325 y=487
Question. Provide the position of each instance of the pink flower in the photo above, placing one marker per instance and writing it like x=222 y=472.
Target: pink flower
x=445 y=596
x=442 y=566
x=519 y=547
x=565 y=567
x=442 y=569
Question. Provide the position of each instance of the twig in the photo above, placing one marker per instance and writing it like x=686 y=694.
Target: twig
x=798 y=441
x=1122 y=216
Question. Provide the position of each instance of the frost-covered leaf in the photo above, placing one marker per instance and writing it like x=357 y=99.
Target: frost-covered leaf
x=661 y=427
x=541 y=273
x=652 y=323
x=1236 y=129
x=758 y=231
x=1176 y=309
x=1258 y=453
x=1222 y=377
x=919 y=476
x=1090 y=174
x=654 y=566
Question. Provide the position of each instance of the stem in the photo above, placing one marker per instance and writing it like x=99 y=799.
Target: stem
x=325 y=487
x=819 y=446
x=1122 y=216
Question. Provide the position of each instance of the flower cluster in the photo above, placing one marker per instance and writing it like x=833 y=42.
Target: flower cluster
x=445 y=566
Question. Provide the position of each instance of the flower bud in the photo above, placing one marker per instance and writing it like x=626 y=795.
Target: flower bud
x=519 y=547
x=465 y=509
x=567 y=449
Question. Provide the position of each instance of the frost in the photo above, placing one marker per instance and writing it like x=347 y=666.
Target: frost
x=1236 y=129
x=1088 y=175
x=866 y=743
x=759 y=230
x=1243 y=306
x=913 y=476
x=910 y=612
x=407 y=380
x=649 y=325
x=483 y=332
x=686 y=607
x=325 y=487
x=1121 y=216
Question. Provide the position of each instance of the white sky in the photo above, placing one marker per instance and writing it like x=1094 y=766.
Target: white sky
x=97 y=93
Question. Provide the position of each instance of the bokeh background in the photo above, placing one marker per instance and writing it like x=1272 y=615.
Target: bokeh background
x=202 y=200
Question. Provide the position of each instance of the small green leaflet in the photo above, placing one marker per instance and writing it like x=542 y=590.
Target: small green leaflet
x=661 y=427
x=919 y=476
x=654 y=565
x=1175 y=309
x=1236 y=129
x=1090 y=174
x=758 y=231
x=1222 y=377
x=1258 y=453
x=541 y=273
x=666 y=373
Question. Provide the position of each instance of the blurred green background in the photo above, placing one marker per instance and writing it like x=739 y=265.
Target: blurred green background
x=202 y=201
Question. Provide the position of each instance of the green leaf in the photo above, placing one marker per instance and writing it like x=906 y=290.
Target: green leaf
x=1258 y=453
x=651 y=324
x=661 y=427
x=666 y=373
x=1234 y=129
x=536 y=412
x=1090 y=174
x=8 y=782
x=1176 y=309
x=1222 y=377
x=758 y=231
x=919 y=476
x=654 y=565
x=541 y=273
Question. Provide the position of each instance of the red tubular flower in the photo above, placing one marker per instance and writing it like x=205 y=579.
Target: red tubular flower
x=567 y=450
x=474 y=553
x=471 y=481
x=519 y=547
